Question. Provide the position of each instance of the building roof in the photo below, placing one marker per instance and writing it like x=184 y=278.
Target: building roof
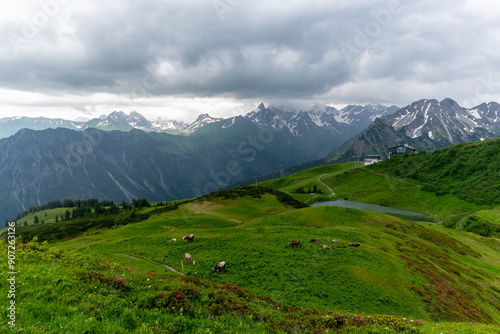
x=405 y=146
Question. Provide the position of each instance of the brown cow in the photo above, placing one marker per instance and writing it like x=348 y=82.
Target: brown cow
x=336 y=241
x=294 y=243
x=189 y=258
x=354 y=245
x=327 y=247
x=188 y=237
x=314 y=240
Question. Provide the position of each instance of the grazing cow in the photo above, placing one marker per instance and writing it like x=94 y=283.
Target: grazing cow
x=188 y=237
x=335 y=241
x=314 y=240
x=189 y=258
x=221 y=266
x=294 y=243
x=172 y=240
x=327 y=247
x=354 y=245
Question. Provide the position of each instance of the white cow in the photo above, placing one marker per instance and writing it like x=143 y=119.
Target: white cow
x=219 y=266
x=189 y=258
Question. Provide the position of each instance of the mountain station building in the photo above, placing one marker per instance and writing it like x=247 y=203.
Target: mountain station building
x=401 y=149
x=371 y=159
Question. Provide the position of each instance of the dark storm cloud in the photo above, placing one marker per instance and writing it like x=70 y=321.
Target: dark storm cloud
x=257 y=49
x=250 y=49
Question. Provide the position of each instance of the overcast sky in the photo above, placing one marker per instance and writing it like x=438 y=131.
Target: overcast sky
x=176 y=59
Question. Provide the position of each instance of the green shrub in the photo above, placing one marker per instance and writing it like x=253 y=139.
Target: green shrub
x=481 y=227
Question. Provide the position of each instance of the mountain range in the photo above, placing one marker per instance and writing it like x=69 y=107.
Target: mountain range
x=424 y=125
x=315 y=132
x=37 y=166
x=117 y=120
x=345 y=122
x=212 y=153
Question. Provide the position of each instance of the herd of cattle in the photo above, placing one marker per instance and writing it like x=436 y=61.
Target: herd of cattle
x=221 y=266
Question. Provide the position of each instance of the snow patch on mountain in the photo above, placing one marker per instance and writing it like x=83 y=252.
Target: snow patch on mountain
x=417 y=132
x=317 y=120
x=474 y=113
x=225 y=126
x=343 y=117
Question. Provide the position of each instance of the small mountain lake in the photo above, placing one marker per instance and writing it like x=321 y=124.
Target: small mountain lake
x=400 y=213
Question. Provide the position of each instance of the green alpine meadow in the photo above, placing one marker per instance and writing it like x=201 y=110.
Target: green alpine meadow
x=268 y=258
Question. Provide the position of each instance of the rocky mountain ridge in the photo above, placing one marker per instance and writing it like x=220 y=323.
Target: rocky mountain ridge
x=426 y=124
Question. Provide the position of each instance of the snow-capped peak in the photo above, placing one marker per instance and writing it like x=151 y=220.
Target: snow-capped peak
x=201 y=121
x=445 y=119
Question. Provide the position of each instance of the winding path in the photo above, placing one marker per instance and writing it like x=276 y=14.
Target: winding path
x=462 y=220
x=139 y=257
x=333 y=194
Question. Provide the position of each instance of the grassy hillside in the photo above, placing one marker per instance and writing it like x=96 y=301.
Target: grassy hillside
x=470 y=171
x=104 y=280
x=365 y=186
x=460 y=176
x=458 y=185
x=47 y=216
x=67 y=293
x=308 y=179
